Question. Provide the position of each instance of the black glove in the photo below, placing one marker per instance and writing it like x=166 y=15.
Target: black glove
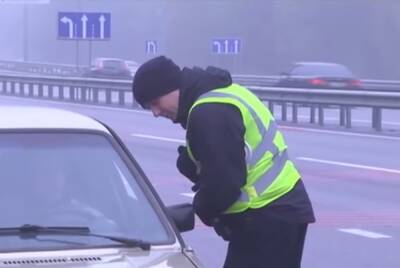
x=185 y=165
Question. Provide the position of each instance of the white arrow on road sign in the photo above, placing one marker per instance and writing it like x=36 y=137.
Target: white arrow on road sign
x=151 y=47
x=236 y=47
x=70 y=25
x=218 y=45
x=84 y=23
x=226 y=47
x=102 y=19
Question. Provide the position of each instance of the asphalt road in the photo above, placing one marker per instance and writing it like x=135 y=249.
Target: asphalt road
x=353 y=180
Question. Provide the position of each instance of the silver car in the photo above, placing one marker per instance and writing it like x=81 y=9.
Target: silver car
x=73 y=196
x=111 y=68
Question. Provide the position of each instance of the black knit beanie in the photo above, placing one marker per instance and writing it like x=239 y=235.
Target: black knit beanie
x=155 y=78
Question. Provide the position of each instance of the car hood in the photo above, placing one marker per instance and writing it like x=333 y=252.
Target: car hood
x=100 y=258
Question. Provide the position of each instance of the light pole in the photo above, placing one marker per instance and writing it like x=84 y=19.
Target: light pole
x=77 y=47
x=25 y=42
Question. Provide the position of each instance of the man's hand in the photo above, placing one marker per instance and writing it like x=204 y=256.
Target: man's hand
x=185 y=165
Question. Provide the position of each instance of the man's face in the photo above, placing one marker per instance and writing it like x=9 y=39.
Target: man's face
x=166 y=106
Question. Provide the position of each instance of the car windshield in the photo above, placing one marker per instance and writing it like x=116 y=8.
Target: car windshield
x=334 y=70
x=72 y=179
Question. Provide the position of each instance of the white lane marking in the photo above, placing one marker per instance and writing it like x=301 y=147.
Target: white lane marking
x=341 y=133
x=191 y=195
x=349 y=165
x=157 y=138
x=365 y=233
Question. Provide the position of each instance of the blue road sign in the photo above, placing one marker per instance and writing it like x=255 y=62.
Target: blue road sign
x=84 y=25
x=151 y=47
x=226 y=46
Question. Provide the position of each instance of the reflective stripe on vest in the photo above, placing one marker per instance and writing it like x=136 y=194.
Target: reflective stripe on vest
x=267 y=166
x=267 y=134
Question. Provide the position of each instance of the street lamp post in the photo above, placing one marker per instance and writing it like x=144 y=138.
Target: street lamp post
x=25 y=42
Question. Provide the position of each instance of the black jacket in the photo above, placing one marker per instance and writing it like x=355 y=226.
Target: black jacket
x=215 y=133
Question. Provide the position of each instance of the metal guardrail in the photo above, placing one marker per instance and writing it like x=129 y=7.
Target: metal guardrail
x=56 y=69
x=81 y=90
x=255 y=80
x=40 y=68
x=318 y=100
x=388 y=85
x=118 y=93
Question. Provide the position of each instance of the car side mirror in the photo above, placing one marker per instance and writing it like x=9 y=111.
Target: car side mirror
x=183 y=216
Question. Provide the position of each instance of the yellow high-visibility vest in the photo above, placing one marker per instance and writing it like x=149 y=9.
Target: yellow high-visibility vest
x=270 y=173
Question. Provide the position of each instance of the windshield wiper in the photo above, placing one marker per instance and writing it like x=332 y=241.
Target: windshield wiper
x=31 y=231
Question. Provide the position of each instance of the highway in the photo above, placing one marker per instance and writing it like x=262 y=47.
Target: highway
x=353 y=179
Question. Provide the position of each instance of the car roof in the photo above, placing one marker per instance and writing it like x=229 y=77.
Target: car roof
x=320 y=69
x=35 y=117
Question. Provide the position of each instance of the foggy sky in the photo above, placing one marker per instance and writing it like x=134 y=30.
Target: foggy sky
x=362 y=34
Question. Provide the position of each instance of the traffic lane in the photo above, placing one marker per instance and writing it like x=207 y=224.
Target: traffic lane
x=371 y=152
x=353 y=148
x=141 y=124
x=330 y=146
x=342 y=200
x=348 y=196
x=348 y=191
x=148 y=149
x=329 y=248
x=358 y=219
x=326 y=146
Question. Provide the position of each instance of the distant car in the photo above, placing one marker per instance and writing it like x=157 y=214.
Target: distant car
x=72 y=195
x=109 y=68
x=319 y=75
